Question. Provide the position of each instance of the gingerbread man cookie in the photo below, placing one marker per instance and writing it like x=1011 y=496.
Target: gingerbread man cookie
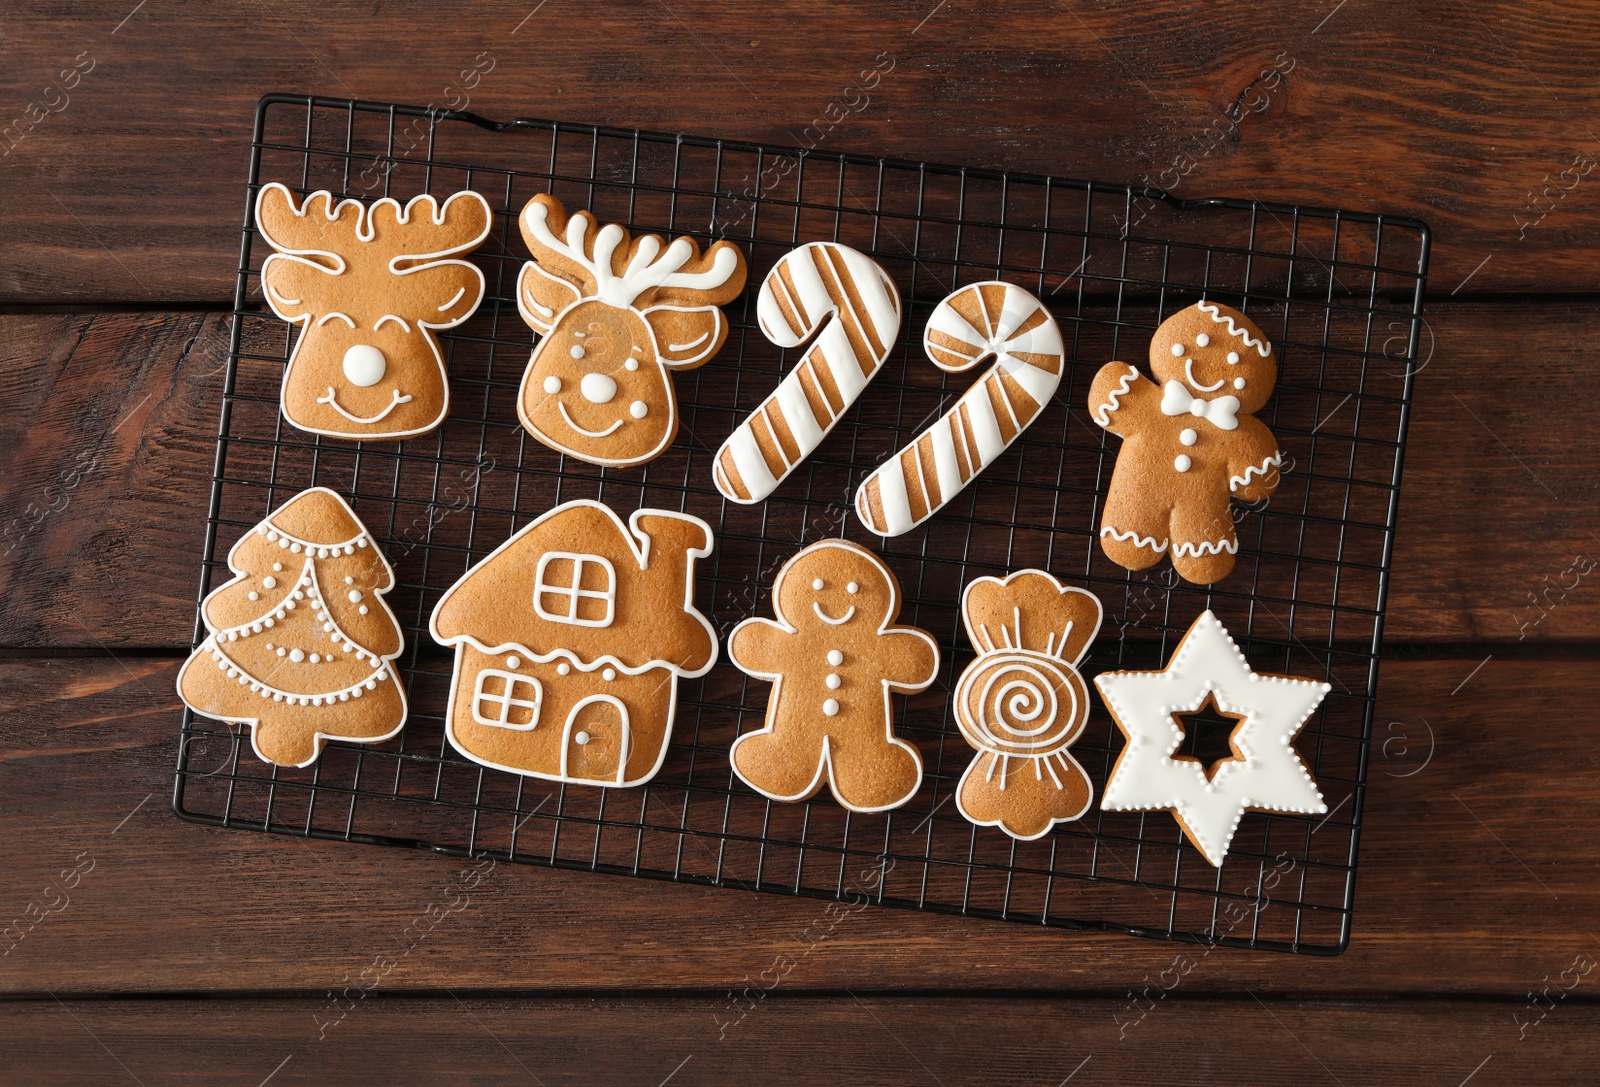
x=1189 y=444
x=1023 y=703
x=835 y=657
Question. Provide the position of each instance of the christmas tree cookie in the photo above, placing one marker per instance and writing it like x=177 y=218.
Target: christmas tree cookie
x=301 y=640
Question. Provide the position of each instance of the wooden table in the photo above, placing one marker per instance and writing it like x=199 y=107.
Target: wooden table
x=194 y=955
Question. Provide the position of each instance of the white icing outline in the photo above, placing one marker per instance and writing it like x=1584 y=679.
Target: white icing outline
x=1272 y=462
x=401 y=321
x=1206 y=547
x=1017 y=308
x=319 y=739
x=332 y=401
x=1138 y=540
x=575 y=592
x=364 y=232
x=986 y=654
x=1188 y=372
x=1263 y=347
x=825 y=759
x=645 y=272
x=640 y=543
x=1103 y=413
x=562 y=408
x=507 y=699
x=1207 y=664
x=822 y=324
x=816 y=606
x=627 y=739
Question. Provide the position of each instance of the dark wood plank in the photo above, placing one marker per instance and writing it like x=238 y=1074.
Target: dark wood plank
x=1475 y=854
x=1470 y=119
x=109 y=452
x=472 y=1039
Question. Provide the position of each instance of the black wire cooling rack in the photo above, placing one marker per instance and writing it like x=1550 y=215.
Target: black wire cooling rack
x=1340 y=294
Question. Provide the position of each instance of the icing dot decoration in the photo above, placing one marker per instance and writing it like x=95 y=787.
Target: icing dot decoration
x=831 y=707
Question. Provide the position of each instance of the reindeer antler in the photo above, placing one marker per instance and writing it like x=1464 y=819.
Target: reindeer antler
x=422 y=230
x=606 y=263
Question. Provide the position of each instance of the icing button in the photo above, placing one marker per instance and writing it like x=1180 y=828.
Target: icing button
x=609 y=674
x=1182 y=463
x=835 y=657
x=1187 y=436
x=582 y=737
x=552 y=384
x=831 y=707
x=833 y=681
x=297 y=655
x=513 y=661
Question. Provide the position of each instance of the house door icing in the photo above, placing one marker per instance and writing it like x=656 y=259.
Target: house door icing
x=595 y=741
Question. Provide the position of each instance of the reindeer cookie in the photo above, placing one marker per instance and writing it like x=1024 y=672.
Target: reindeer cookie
x=368 y=286
x=617 y=315
x=1023 y=703
x=1189 y=444
x=834 y=657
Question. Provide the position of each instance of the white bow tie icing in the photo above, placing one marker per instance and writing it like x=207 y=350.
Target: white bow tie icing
x=1221 y=413
x=1266 y=773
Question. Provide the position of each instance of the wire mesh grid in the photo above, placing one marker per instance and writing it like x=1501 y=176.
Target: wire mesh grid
x=1340 y=294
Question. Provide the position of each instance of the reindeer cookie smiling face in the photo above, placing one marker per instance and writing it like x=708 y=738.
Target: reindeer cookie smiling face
x=367 y=286
x=616 y=313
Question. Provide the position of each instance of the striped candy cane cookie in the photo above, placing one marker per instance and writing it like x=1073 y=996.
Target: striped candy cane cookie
x=810 y=285
x=977 y=321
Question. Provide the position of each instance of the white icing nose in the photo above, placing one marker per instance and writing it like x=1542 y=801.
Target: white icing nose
x=598 y=388
x=364 y=365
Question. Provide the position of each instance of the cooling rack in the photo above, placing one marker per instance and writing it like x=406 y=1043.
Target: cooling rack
x=1339 y=293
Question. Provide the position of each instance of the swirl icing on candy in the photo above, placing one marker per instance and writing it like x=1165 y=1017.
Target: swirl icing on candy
x=1022 y=703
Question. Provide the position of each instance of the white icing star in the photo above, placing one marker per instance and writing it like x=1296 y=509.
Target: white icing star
x=1269 y=776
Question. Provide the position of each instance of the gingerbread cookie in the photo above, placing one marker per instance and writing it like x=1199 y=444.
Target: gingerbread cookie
x=1022 y=703
x=368 y=286
x=617 y=315
x=301 y=641
x=852 y=309
x=1189 y=443
x=570 y=639
x=1264 y=772
x=979 y=321
x=834 y=657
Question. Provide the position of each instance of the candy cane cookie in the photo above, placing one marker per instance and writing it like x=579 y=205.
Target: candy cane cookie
x=977 y=321
x=853 y=302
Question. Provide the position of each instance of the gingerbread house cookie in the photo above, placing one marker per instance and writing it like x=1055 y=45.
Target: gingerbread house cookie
x=570 y=639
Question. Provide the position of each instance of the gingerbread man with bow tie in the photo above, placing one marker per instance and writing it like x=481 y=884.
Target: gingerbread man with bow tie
x=1190 y=444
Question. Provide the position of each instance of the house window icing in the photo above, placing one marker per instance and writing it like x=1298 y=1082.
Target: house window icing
x=574 y=588
x=506 y=700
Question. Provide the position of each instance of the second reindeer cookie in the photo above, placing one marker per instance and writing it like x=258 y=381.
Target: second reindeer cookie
x=617 y=314
x=835 y=658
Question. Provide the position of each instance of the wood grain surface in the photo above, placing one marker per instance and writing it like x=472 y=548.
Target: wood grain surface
x=126 y=188
x=139 y=948
x=854 y=1037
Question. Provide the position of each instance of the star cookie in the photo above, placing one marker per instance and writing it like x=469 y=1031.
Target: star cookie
x=1264 y=774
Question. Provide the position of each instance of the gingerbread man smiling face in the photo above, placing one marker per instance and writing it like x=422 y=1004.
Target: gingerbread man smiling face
x=834 y=657
x=1190 y=442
